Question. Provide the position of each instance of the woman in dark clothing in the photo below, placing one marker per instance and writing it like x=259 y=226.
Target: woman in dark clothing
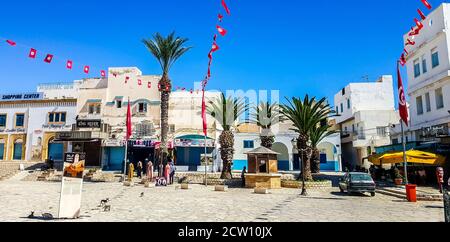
x=139 y=169
x=244 y=171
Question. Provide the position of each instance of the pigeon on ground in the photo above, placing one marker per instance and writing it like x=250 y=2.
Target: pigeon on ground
x=31 y=215
x=142 y=194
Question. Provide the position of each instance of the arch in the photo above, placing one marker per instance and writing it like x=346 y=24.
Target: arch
x=2 y=148
x=283 y=157
x=48 y=138
x=329 y=149
x=17 y=147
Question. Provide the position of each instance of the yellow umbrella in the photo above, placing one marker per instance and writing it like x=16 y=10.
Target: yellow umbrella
x=412 y=156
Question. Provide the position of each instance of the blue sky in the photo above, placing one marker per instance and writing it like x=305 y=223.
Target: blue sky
x=298 y=47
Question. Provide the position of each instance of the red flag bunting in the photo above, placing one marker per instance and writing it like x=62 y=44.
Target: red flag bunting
x=126 y=79
x=418 y=23
x=10 y=42
x=221 y=30
x=103 y=73
x=414 y=32
x=86 y=69
x=139 y=82
x=220 y=16
x=403 y=106
x=48 y=58
x=402 y=60
x=33 y=53
x=225 y=6
x=149 y=85
x=427 y=4
x=214 y=48
x=422 y=16
x=205 y=122
x=409 y=42
x=69 y=64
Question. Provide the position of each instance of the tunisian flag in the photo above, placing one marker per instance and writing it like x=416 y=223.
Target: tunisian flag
x=205 y=123
x=403 y=106
x=129 y=128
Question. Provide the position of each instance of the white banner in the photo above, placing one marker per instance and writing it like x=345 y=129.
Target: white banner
x=71 y=186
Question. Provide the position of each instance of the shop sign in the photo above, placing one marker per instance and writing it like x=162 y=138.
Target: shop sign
x=90 y=124
x=435 y=131
x=113 y=143
x=21 y=97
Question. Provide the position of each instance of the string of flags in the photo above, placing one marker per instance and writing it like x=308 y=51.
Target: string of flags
x=415 y=31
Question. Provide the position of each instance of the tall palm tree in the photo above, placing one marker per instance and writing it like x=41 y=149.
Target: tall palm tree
x=267 y=115
x=227 y=111
x=305 y=115
x=318 y=133
x=166 y=50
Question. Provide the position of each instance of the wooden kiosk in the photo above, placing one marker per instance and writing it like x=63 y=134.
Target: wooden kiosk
x=263 y=169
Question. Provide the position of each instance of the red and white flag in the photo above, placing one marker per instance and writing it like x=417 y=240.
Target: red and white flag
x=86 y=69
x=128 y=122
x=149 y=85
x=418 y=23
x=69 y=64
x=221 y=30
x=127 y=78
x=33 y=53
x=139 y=82
x=225 y=6
x=427 y=4
x=214 y=48
x=103 y=73
x=403 y=106
x=410 y=42
x=422 y=16
x=48 y=58
x=402 y=59
x=205 y=122
x=220 y=17
x=10 y=42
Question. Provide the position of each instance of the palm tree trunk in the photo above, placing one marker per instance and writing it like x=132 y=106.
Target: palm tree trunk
x=165 y=96
x=226 y=141
x=315 y=166
x=305 y=153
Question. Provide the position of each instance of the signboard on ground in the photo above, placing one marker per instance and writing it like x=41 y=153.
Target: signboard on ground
x=71 y=186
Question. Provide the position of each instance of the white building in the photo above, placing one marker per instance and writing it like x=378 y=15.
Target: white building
x=365 y=113
x=29 y=122
x=428 y=68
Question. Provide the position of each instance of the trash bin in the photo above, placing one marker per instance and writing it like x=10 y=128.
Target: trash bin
x=411 y=193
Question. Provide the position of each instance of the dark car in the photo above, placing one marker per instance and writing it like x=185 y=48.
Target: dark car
x=355 y=182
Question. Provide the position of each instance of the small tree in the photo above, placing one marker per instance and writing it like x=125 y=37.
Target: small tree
x=267 y=115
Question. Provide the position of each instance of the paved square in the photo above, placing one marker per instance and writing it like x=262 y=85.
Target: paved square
x=201 y=204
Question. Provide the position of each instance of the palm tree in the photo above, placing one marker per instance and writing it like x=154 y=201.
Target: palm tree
x=305 y=115
x=166 y=50
x=267 y=115
x=318 y=133
x=227 y=111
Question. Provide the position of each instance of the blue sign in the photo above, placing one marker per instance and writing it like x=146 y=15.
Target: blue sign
x=22 y=97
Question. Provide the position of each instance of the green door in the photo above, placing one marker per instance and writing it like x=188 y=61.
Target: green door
x=2 y=151
x=17 y=152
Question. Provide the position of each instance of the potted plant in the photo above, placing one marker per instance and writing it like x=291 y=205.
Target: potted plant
x=398 y=177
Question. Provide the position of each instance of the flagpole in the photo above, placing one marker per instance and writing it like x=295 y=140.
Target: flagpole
x=206 y=164
x=126 y=144
x=404 y=153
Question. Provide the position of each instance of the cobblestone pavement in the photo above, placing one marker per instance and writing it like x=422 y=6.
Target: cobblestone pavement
x=201 y=204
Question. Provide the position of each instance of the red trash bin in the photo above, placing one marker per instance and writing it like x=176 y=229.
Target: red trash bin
x=411 y=193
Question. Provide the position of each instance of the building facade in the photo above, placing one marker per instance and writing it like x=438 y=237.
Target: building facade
x=428 y=70
x=365 y=112
x=29 y=122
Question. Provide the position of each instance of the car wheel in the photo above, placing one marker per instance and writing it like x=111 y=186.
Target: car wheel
x=372 y=194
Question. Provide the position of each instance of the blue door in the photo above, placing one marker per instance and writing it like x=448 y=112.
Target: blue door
x=56 y=151
x=2 y=151
x=116 y=155
x=17 y=152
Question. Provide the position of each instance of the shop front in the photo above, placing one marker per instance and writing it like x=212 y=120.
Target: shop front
x=113 y=155
x=189 y=151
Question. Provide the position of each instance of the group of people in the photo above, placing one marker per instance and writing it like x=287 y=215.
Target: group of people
x=147 y=169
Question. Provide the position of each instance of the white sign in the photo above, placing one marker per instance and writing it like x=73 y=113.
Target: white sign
x=71 y=186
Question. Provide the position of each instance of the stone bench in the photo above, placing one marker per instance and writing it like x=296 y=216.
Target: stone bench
x=221 y=188
x=260 y=190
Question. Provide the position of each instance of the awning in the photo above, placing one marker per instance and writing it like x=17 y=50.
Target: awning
x=412 y=156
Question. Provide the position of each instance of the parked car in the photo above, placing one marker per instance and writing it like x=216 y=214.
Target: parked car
x=356 y=182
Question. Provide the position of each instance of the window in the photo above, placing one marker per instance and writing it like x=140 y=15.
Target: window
x=353 y=128
x=57 y=118
x=439 y=98
x=342 y=108
x=249 y=144
x=395 y=142
x=20 y=120
x=434 y=58
x=416 y=68
x=95 y=108
x=424 y=65
x=3 y=120
x=337 y=110
x=142 y=108
x=419 y=103
x=348 y=103
x=172 y=128
x=343 y=91
x=428 y=102
x=381 y=131
x=119 y=103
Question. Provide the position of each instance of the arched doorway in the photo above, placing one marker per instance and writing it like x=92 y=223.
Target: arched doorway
x=2 y=149
x=328 y=156
x=283 y=157
x=55 y=150
x=18 y=150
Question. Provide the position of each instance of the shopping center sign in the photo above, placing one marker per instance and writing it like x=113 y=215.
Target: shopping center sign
x=21 y=97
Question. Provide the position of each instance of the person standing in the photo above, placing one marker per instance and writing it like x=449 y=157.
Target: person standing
x=167 y=173
x=150 y=171
x=244 y=171
x=172 y=172
x=130 y=172
x=144 y=167
x=139 y=169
